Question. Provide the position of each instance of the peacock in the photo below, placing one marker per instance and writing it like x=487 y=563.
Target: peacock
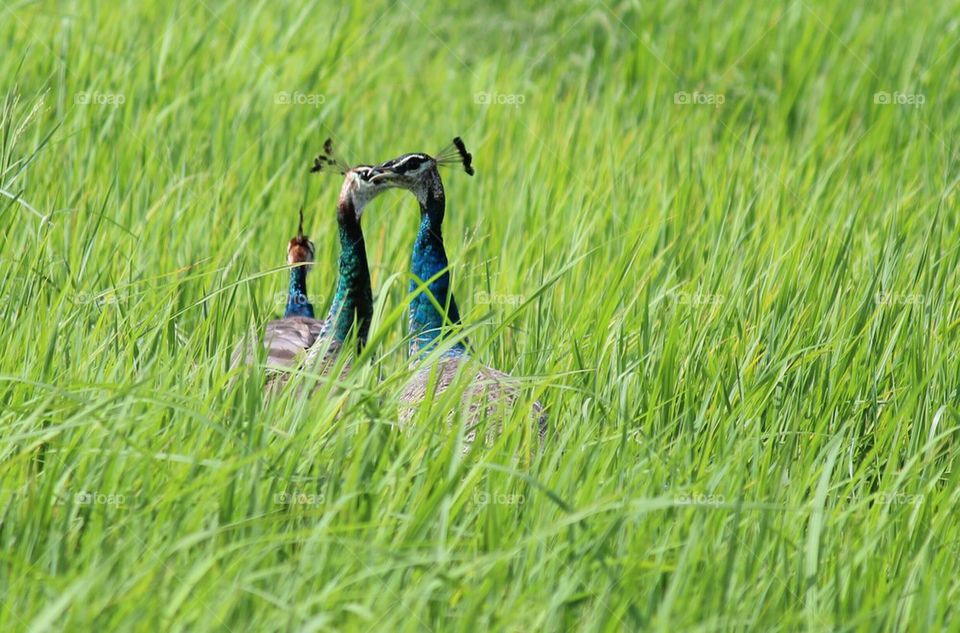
x=490 y=389
x=299 y=339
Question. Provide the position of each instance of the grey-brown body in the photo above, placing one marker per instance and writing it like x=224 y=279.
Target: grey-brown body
x=287 y=340
x=292 y=343
x=489 y=395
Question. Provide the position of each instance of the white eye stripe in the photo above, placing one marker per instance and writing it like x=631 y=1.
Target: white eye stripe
x=420 y=158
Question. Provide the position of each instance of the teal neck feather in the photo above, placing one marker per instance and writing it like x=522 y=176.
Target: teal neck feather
x=429 y=261
x=353 y=300
x=297 y=303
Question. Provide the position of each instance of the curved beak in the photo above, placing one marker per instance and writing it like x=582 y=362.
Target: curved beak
x=383 y=176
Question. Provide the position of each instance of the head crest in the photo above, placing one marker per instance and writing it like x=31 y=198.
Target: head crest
x=457 y=154
x=328 y=158
x=300 y=248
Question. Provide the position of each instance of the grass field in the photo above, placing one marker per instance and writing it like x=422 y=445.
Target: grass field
x=719 y=241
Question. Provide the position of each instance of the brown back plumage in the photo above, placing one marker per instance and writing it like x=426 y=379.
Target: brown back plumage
x=287 y=340
x=489 y=394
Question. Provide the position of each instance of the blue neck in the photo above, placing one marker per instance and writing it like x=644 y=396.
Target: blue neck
x=353 y=299
x=429 y=261
x=297 y=303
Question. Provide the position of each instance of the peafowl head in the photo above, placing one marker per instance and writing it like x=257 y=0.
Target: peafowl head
x=360 y=183
x=300 y=249
x=418 y=173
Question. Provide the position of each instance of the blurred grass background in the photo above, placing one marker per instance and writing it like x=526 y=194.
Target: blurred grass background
x=718 y=241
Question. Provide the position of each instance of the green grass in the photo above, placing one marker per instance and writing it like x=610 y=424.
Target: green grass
x=743 y=316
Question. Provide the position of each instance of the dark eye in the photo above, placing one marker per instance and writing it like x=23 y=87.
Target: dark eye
x=411 y=164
